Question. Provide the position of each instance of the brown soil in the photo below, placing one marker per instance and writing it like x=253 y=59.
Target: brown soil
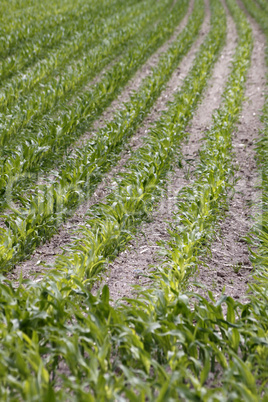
x=132 y=266
x=229 y=267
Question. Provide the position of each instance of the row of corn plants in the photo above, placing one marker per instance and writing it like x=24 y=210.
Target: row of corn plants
x=30 y=108
x=44 y=146
x=262 y=149
x=81 y=173
x=59 y=342
x=28 y=40
x=258 y=240
x=201 y=204
x=77 y=47
x=17 y=25
x=241 y=335
x=26 y=50
x=238 y=340
x=84 y=33
x=31 y=11
x=264 y=6
x=19 y=87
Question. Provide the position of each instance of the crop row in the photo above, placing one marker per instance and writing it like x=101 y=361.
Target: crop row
x=16 y=27
x=68 y=54
x=45 y=146
x=201 y=204
x=57 y=133
x=259 y=237
x=59 y=342
x=82 y=172
x=29 y=109
x=82 y=33
x=264 y=6
x=21 y=13
x=28 y=41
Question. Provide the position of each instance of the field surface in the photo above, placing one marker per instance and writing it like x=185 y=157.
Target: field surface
x=134 y=200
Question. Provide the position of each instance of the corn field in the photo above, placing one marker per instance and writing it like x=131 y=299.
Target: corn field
x=134 y=200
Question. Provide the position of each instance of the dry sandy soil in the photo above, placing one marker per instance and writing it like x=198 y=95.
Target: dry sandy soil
x=228 y=268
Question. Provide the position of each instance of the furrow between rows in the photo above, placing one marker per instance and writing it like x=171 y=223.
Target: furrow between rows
x=229 y=268
x=133 y=266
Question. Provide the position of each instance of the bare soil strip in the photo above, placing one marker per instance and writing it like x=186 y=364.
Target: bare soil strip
x=131 y=266
x=48 y=252
x=229 y=266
